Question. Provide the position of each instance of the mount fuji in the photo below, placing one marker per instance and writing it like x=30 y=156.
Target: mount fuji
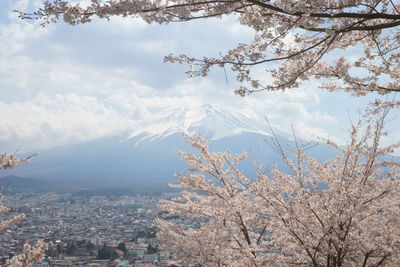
x=206 y=120
x=147 y=155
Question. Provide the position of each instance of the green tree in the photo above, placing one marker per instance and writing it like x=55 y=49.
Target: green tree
x=71 y=248
x=122 y=247
x=151 y=249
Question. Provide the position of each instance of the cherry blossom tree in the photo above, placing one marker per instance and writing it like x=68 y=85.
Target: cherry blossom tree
x=341 y=212
x=294 y=40
x=8 y=161
x=31 y=253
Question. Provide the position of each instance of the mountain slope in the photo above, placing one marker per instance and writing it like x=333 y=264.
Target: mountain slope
x=15 y=184
x=147 y=157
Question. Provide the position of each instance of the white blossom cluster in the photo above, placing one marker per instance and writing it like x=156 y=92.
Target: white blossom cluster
x=8 y=222
x=31 y=254
x=301 y=38
x=8 y=161
x=341 y=212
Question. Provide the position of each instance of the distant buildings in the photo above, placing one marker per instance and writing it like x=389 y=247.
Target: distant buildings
x=85 y=225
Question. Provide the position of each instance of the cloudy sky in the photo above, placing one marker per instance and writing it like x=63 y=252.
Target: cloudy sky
x=65 y=84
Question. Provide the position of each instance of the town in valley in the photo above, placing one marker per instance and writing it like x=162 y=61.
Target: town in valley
x=87 y=228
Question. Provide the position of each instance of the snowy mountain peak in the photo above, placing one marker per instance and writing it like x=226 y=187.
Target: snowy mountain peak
x=206 y=120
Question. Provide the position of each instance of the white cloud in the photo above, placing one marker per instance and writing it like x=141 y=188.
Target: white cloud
x=109 y=76
x=48 y=121
x=161 y=48
x=126 y=25
x=21 y=5
x=236 y=29
x=14 y=37
x=121 y=103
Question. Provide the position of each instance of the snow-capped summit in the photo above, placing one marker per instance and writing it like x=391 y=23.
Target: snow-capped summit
x=206 y=120
x=148 y=157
